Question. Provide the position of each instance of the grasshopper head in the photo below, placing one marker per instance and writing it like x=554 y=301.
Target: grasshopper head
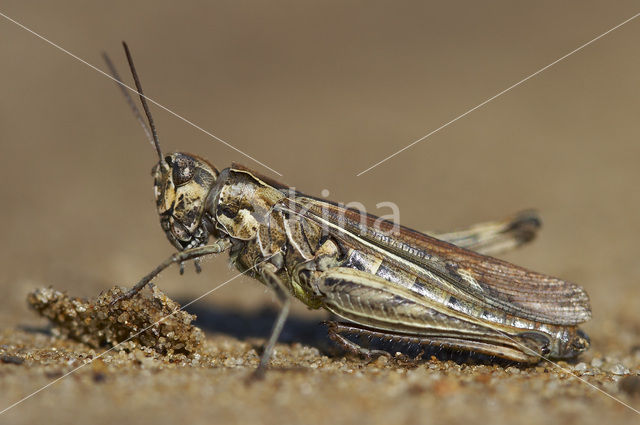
x=182 y=181
x=181 y=185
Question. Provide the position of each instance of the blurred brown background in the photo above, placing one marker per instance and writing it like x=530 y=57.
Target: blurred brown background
x=320 y=91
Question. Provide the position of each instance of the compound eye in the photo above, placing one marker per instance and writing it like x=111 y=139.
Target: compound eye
x=182 y=170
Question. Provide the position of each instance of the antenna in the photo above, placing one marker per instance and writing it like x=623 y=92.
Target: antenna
x=125 y=92
x=145 y=106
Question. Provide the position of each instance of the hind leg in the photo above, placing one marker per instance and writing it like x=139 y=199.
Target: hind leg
x=335 y=330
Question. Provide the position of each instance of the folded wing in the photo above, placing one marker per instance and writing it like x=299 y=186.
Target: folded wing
x=501 y=284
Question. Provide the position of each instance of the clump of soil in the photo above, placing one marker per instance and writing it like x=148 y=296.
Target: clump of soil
x=149 y=320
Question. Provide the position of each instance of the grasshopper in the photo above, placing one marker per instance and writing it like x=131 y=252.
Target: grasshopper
x=380 y=279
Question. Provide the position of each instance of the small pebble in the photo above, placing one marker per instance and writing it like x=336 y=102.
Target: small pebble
x=5 y=358
x=381 y=361
x=580 y=367
x=618 y=369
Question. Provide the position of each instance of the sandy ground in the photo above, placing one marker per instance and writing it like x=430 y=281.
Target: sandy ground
x=318 y=92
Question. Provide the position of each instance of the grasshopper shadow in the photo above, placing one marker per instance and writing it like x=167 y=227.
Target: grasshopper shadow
x=257 y=324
